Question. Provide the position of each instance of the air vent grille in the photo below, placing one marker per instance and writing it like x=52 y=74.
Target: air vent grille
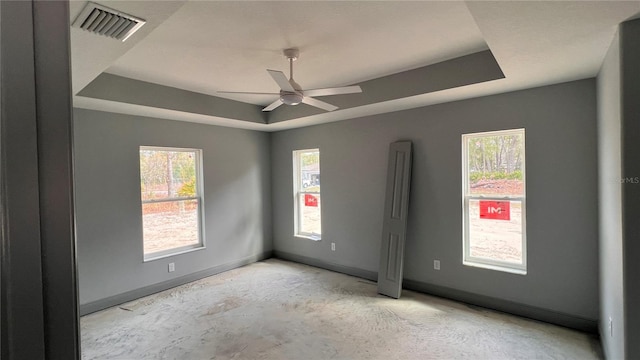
x=108 y=22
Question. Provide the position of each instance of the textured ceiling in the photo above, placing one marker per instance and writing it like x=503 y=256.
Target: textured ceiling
x=206 y=46
x=210 y=46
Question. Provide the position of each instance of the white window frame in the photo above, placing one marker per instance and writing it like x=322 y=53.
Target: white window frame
x=299 y=192
x=467 y=197
x=199 y=191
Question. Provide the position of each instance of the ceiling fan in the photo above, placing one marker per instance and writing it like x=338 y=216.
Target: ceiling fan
x=292 y=94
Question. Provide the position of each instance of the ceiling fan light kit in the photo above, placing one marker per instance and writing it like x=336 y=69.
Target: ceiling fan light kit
x=291 y=98
x=291 y=92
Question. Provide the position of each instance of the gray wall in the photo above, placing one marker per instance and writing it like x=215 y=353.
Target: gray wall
x=237 y=203
x=619 y=193
x=562 y=230
x=630 y=93
x=610 y=196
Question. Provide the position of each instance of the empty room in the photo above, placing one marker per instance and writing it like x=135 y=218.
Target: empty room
x=320 y=179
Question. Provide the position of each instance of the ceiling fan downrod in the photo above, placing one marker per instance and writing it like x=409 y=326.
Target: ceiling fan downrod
x=296 y=97
x=292 y=55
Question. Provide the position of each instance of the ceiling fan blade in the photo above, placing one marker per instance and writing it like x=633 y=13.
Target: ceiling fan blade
x=246 y=92
x=282 y=80
x=319 y=104
x=333 y=91
x=273 y=105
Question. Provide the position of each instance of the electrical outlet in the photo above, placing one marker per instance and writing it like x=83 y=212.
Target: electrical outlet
x=172 y=267
x=333 y=246
x=436 y=264
x=610 y=326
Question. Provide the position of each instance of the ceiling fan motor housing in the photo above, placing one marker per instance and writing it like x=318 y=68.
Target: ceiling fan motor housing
x=290 y=98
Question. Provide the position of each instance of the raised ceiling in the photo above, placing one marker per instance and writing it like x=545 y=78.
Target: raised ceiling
x=406 y=54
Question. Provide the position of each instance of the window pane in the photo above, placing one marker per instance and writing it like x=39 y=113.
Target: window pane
x=494 y=200
x=309 y=205
x=306 y=183
x=310 y=171
x=169 y=225
x=167 y=174
x=495 y=165
x=495 y=230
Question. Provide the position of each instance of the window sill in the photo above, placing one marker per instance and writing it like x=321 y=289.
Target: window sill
x=153 y=257
x=310 y=237
x=496 y=267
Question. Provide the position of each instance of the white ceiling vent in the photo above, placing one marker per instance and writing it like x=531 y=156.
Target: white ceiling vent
x=102 y=20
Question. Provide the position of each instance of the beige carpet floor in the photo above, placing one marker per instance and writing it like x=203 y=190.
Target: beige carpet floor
x=281 y=310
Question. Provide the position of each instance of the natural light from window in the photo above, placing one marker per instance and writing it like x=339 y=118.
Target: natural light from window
x=306 y=184
x=493 y=193
x=170 y=190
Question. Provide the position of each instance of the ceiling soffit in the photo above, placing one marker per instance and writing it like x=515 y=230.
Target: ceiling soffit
x=465 y=70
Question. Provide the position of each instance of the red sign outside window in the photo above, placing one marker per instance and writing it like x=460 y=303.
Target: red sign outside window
x=496 y=210
x=310 y=200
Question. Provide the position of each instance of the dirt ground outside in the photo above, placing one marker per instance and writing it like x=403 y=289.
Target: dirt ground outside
x=168 y=227
x=496 y=239
x=311 y=223
x=492 y=187
x=172 y=225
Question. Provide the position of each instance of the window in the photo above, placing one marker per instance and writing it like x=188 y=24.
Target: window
x=306 y=190
x=493 y=195
x=171 y=193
